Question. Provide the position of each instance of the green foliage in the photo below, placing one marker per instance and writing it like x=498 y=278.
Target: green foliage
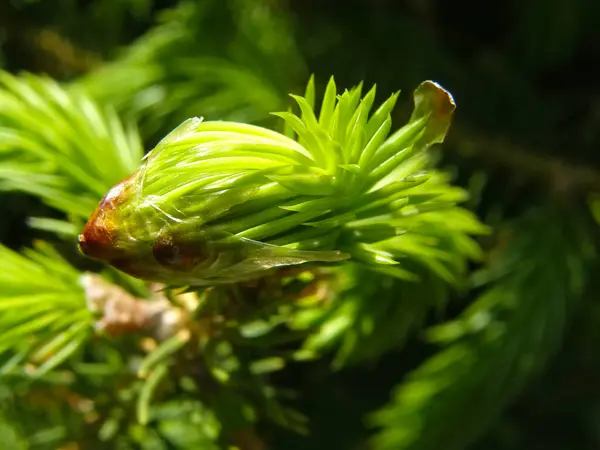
x=43 y=314
x=360 y=330
x=499 y=342
x=90 y=361
x=368 y=193
x=434 y=256
x=70 y=164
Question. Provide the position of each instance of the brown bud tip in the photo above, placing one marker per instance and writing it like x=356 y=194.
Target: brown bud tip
x=95 y=241
x=433 y=101
x=98 y=238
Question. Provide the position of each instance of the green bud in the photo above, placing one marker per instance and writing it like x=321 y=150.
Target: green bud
x=221 y=202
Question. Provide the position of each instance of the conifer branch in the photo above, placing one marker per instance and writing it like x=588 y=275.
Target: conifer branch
x=43 y=314
x=499 y=343
x=60 y=146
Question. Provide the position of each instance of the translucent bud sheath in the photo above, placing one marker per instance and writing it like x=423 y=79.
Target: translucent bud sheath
x=220 y=202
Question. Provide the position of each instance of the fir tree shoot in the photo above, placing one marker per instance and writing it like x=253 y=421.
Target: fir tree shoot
x=222 y=202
